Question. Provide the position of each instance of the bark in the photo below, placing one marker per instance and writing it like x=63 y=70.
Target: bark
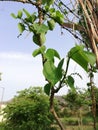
x=73 y=26
x=93 y=102
x=92 y=30
x=21 y=1
x=52 y=110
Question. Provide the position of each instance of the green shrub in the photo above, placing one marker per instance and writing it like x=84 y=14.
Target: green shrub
x=66 y=112
x=2 y=126
x=70 y=121
x=29 y=111
x=87 y=120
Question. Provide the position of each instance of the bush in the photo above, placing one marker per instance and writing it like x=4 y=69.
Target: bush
x=70 y=121
x=2 y=125
x=29 y=111
x=66 y=112
x=87 y=120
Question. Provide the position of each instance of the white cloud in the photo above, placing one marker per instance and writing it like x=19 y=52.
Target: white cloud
x=21 y=71
x=15 y=56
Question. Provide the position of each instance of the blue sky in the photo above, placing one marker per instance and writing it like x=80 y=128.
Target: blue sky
x=19 y=69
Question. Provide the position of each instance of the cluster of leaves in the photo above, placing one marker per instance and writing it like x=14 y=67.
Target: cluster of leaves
x=79 y=104
x=77 y=100
x=31 y=24
x=53 y=74
x=29 y=111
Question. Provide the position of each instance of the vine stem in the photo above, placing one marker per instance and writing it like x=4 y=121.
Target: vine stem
x=52 y=110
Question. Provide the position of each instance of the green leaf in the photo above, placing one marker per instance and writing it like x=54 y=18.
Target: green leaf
x=50 y=2
x=78 y=56
x=51 y=53
x=52 y=10
x=19 y=14
x=75 y=50
x=26 y=13
x=59 y=69
x=36 y=38
x=83 y=58
x=40 y=28
x=49 y=71
x=44 y=2
x=70 y=82
x=59 y=17
x=21 y=27
x=65 y=11
x=42 y=38
x=51 y=24
x=39 y=39
x=47 y=89
x=91 y=58
x=13 y=15
x=60 y=4
x=31 y=18
x=39 y=51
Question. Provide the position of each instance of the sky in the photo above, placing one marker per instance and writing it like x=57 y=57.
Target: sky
x=19 y=68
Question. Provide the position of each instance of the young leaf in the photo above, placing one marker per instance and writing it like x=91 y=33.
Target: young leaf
x=42 y=49
x=43 y=28
x=36 y=52
x=26 y=13
x=40 y=28
x=50 y=2
x=19 y=14
x=13 y=15
x=59 y=69
x=39 y=51
x=31 y=18
x=51 y=24
x=36 y=39
x=59 y=17
x=70 y=82
x=39 y=39
x=47 y=89
x=51 y=53
x=51 y=10
x=21 y=27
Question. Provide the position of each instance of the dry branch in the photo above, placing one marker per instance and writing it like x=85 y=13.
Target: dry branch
x=92 y=23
